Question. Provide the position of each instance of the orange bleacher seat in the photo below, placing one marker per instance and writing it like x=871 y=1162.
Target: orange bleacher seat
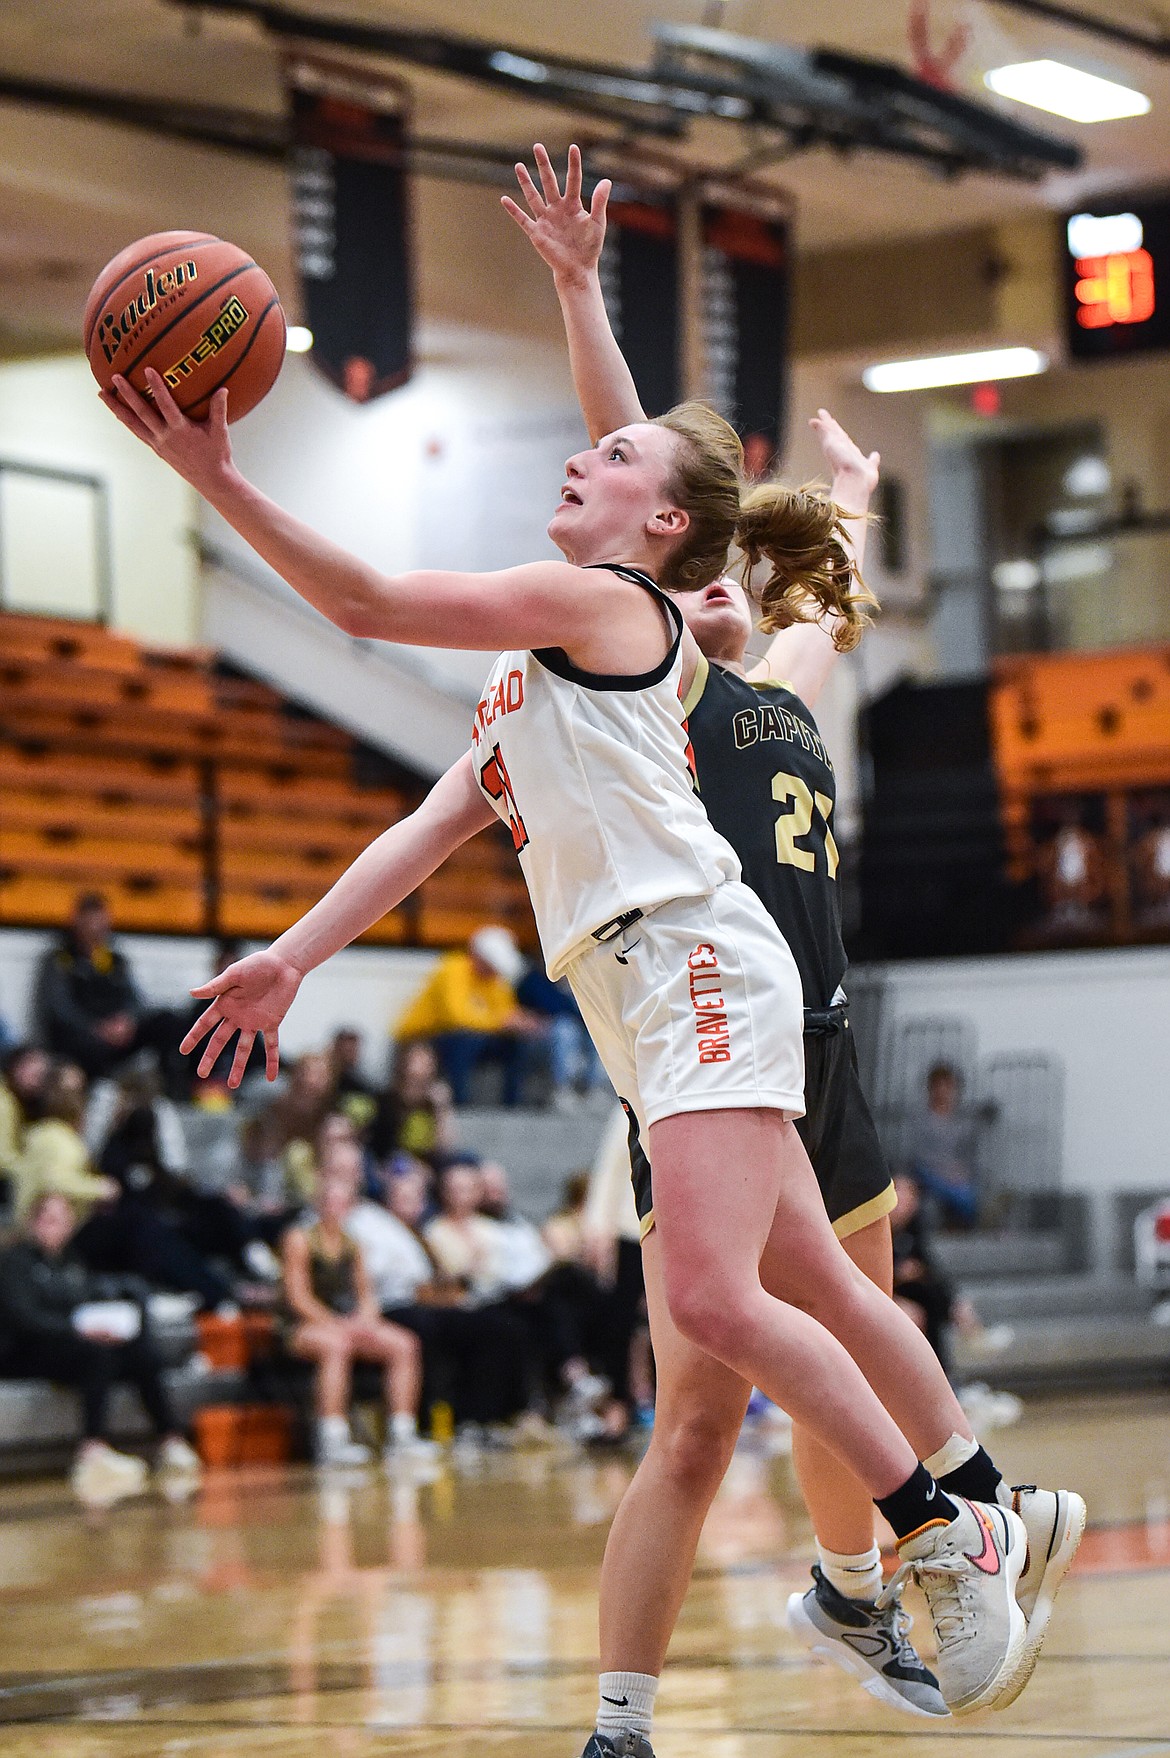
x=76 y=771
x=91 y=859
x=317 y=836
x=66 y=641
x=256 y=912
x=99 y=815
x=144 y=906
x=48 y=684
x=1068 y=721
x=302 y=789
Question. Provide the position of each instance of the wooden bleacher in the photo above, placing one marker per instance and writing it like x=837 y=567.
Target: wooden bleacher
x=1079 y=727
x=197 y=802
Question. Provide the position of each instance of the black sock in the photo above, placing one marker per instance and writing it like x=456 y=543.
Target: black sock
x=976 y=1478
x=916 y=1503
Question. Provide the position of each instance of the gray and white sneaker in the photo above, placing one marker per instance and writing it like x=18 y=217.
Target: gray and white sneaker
x=1054 y=1520
x=869 y=1641
x=968 y=1568
x=624 y=1745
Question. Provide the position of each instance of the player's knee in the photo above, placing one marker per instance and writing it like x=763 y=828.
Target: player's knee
x=707 y=1313
x=694 y=1445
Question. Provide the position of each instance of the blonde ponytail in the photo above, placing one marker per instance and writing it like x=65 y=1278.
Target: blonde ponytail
x=800 y=533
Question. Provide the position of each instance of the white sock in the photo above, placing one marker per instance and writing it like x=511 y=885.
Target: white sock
x=333 y=1428
x=954 y=1452
x=858 y=1576
x=625 y=1701
x=403 y=1428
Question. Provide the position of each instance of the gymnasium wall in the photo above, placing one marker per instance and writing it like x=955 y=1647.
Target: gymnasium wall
x=50 y=416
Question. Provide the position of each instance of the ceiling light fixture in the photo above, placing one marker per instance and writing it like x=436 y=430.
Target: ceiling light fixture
x=298 y=340
x=1066 y=91
x=954 y=369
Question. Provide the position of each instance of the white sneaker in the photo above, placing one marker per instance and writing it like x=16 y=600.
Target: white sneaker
x=336 y=1447
x=175 y=1455
x=262 y=1261
x=968 y=1568
x=415 y=1451
x=987 y=1409
x=101 y=1476
x=178 y=1470
x=1054 y=1520
x=586 y=1392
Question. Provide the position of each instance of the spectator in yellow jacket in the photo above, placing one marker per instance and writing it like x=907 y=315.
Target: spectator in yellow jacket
x=467 y=1008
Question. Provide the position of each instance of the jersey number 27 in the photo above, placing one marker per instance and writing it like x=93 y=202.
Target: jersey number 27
x=794 y=825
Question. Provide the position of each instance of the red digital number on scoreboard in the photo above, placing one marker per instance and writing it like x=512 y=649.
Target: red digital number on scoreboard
x=1117 y=289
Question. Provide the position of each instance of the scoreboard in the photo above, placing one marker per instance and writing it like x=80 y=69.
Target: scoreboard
x=1117 y=278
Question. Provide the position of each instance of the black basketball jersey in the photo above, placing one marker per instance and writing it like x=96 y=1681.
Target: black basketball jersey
x=768 y=786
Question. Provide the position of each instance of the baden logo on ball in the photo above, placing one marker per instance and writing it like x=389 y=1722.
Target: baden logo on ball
x=195 y=308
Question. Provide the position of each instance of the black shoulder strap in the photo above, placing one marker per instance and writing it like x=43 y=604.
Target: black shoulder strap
x=556 y=660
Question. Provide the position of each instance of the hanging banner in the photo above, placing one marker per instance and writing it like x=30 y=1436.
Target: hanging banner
x=745 y=299
x=640 y=280
x=351 y=204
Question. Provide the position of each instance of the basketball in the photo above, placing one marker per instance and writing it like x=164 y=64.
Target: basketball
x=198 y=310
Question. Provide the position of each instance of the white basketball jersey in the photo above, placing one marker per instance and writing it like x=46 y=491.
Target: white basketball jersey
x=593 y=777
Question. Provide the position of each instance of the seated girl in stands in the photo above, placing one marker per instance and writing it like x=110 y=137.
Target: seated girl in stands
x=332 y=1320
x=58 y=1322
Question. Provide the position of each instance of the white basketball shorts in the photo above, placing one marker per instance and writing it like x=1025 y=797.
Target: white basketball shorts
x=697 y=1007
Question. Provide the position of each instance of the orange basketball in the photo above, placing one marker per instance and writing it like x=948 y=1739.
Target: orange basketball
x=198 y=310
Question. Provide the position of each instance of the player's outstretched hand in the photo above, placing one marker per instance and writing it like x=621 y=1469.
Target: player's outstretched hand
x=568 y=235
x=843 y=455
x=253 y=995
x=200 y=451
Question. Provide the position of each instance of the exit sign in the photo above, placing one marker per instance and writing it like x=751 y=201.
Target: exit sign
x=1117 y=279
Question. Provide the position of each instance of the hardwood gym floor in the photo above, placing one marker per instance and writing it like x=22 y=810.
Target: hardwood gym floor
x=280 y=1614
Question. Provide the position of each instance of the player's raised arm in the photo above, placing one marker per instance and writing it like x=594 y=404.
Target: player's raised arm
x=254 y=994
x=569 y=236
x=804 y=655
x=537 y=605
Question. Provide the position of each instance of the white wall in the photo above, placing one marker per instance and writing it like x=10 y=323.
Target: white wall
x=50 y=415
x=1105 y=1014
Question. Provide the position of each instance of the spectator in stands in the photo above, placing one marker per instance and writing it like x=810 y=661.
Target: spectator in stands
x=414 y=1113
x=8 y=1039
x=54 y=1157
x=612 y=1233
x=302 y=1160
x=59 y=1322
x=466 y=1244
x=1151 y=863
x=1074 y=876
x=468 y=1010
x=920 y=1288
x=942 y=1149
x=88 y=1007
x=352 y=1093
x=23 y=1073
x=332 y=1320
x=295 y=1116
x=472 y=1352
x=573 y=1064
x=409 y=1194
x=145 y=1154
x=569 y=1315
x=938 y=1309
